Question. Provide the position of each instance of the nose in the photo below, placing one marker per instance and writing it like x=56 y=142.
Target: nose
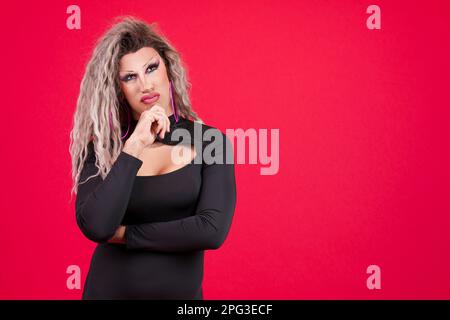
x=145 y=83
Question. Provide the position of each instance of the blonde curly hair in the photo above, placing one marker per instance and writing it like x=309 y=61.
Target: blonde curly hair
x=100 y=112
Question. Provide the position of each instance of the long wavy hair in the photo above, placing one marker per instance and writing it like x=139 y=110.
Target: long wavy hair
x=101 y=112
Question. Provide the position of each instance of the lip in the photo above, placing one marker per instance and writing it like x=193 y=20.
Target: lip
x=150 y=98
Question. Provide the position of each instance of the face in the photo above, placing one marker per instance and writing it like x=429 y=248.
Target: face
x=142 y=73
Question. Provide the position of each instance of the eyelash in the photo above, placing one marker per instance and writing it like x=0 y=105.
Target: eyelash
x=154 y=65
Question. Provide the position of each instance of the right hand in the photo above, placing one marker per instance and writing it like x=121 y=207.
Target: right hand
x=151 y=122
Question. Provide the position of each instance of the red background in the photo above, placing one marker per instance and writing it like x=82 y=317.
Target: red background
x=364 y=154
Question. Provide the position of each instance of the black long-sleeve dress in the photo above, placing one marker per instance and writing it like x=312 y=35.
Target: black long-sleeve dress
x=170 y=220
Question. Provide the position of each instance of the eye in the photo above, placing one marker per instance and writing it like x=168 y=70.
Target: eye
x=127 y=77
x=131 y=76
x=154 y=65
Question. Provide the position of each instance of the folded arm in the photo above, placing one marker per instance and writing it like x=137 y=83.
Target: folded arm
x=101 y=204
x=207 y=229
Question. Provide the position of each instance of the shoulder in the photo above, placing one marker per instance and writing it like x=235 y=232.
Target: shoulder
x=206 y=133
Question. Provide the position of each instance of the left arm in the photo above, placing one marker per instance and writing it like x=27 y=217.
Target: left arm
x=207 y=229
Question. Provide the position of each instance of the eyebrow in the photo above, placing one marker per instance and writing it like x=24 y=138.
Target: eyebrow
x=142 y=66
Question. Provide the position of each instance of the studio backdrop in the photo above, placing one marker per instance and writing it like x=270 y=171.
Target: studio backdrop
x=339 y=113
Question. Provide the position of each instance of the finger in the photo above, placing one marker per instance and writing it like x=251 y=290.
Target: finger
x=164 y=123
x=160 y=124
x=150 y=120
x=159 y=108
x=156 y=108
x=146 y=114
x=165 y=119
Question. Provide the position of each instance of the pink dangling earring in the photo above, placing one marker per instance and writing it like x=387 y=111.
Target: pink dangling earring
x=174 y=109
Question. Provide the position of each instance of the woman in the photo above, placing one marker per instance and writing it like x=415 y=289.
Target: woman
x=151 y=213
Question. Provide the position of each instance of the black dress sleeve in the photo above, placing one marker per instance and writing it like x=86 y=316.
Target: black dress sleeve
x=101 y=203
x=207 y=228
